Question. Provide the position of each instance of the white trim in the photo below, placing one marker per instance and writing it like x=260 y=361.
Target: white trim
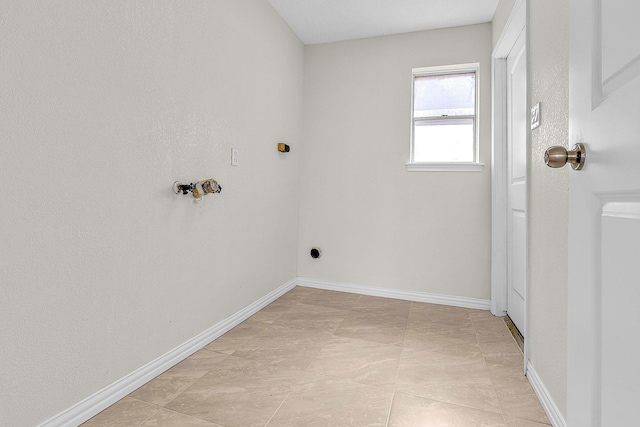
x=446 y=69
x=445 y=167
x=512 y=30
x=549 y=406
x=94 y=404
x=499 y=190
x=515 y=23
x=417 y=296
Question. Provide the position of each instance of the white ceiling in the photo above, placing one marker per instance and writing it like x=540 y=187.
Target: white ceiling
x=323 y=21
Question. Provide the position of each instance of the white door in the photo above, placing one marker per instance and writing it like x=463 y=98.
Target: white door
x=516 y=182
x=604 y=215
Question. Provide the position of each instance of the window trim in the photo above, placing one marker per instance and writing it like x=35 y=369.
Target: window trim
x=475 y=165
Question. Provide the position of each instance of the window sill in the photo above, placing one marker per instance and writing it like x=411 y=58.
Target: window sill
x=445 y=167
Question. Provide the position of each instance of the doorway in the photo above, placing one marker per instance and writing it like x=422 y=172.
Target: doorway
x=517 y=183
x=509 y=172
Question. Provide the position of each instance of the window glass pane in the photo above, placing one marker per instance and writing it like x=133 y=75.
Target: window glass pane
x=445 y=95
x=448 y=140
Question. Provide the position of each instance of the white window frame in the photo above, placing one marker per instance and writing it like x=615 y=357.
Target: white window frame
x=475 y=165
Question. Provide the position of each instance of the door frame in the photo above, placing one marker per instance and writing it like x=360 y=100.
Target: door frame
x=516 y=23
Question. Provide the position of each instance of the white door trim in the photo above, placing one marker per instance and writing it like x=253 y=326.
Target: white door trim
x=514 y=26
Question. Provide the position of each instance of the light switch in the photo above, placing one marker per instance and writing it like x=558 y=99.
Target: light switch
x=535 y=116
x=234 y=157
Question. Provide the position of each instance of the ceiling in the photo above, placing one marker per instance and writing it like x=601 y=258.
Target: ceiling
x=323 y=21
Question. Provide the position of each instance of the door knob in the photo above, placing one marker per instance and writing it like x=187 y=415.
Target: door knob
x=557 y=157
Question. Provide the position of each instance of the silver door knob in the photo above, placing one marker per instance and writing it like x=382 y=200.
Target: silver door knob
x=557 y=157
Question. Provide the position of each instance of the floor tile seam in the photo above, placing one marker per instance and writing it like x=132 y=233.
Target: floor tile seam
x=449 y=403
x=395 y=382
x=159 y=408
x=282 y=403
x=351 y=380
x=393 y=398
x=491 y=378
x=460 y=360
x=525 y=418
x=505 y=410
x=186 y=415
x=367 y=339
x=300 y=383
x=322 y=308
x=299 y=328
x=306 y=369
x=165 y=406
x=495 y=390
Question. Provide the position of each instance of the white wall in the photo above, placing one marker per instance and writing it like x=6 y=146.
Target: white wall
x=376 y=223
x=103 y=105
x=549 y=210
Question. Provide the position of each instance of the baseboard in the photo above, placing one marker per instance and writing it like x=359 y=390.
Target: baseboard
x=416 y=296
x=94 y=404
x=549 y=406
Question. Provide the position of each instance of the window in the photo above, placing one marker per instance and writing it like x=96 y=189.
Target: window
x=444 y=122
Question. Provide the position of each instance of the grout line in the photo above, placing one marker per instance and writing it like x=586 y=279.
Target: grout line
x=409 y=393
x=484 y=359
x=304 y=372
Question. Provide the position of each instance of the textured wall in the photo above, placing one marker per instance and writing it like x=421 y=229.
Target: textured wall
x=548 y=224
x=102 y=106
x=377 y=223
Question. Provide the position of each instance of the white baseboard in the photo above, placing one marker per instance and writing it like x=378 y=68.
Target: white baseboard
x=549 y=406
x=480 y=304
x=97 y=402
x=94 y=404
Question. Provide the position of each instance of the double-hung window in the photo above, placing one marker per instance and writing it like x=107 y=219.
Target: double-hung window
x=444 y=122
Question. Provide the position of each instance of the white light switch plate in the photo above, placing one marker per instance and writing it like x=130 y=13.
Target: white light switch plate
x=535 y=116
x=234 y=157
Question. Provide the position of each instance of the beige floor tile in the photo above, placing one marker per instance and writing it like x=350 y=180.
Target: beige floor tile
x=312 y=317
x=462 y=331
x=199 y=363
x=515 y=393
x=324 y=358
x=517 y=422
x=239 y=367
x=332 y=299
x=126 y=412
x=387 y=305
x=500 y=346
x=166 y=418
x=240 y=393
x=165 y=387
x=459 y=380
x=413 y=411
x=379 y=327
x=291 y=347
x=480 y=314
x=237 y=337
x=299 y=293
x=365 y=362
x=520 y=401
x=274 y=310
x=421 y=309
x=448 y=344
x=505 y=361
x=322 y=402
x=490 y=330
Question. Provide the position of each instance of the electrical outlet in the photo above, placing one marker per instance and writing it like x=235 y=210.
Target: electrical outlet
x=234 y=157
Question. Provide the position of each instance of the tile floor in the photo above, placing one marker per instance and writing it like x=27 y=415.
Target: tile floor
x=322 y=358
